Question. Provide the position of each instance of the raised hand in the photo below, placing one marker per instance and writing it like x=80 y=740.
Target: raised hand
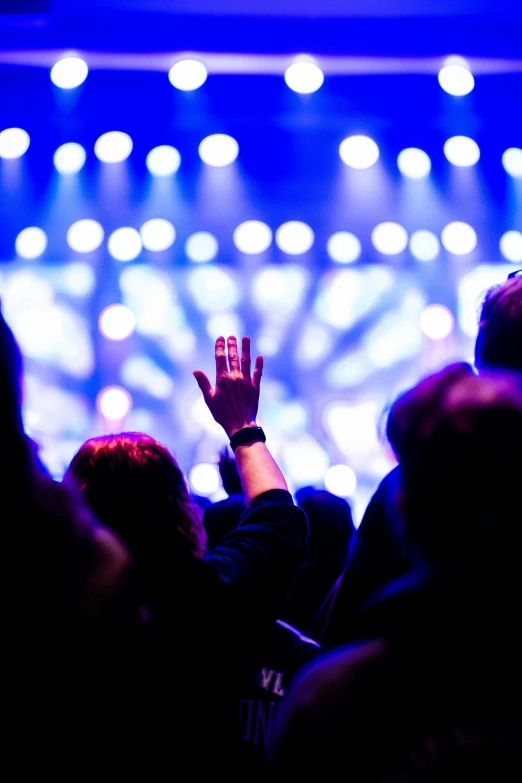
x=234 y=399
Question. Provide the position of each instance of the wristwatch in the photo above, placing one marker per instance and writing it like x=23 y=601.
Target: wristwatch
x=247 y=435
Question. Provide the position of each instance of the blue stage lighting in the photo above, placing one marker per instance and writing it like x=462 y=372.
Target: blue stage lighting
x=84 y=236
x=117 y=322
x=157 y=234
x=511 y=246
x=113 y=147
x=456 y=78
x=218 y=150
x=124 y=244
x=69 y=158
x=414 y=163
x=424 y=245
x=252 y=237
x=14 y=142
x=436 y=322
x=389 y=238
x=459 y=238
x=304 y=75
x=163 y=161
x=343 y=247
x=69 y=72
x=188 y=75
x=340 y=480
x=31 y=242
x=294 y=237
x=359 y=152
x=462 y=151
x=511 y=160
x=201 y=247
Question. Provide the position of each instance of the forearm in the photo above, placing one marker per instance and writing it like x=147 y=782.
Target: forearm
x=258 y=470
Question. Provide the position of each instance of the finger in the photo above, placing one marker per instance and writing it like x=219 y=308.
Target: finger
x=233 y=356
x=204 y=384
x=245 y=357
x=258 y=372
x=221 y=358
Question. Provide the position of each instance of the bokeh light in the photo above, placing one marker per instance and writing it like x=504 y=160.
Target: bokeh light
x=511 y=246
x=414 y=163
x=69 y=158
x=213 y=289
x=157 y=234
x=359 y=152
x=113 y=147
x=69 y=72
x=163 y=161
x=117 y=322
x=252 y=237
x=462 y=151
x=456 y=79
x=304 y=76
x=218 y=150
x=459 y=238
x=14 y=142
x=124 y=244
x=201 y=247
x=31 y=242
x=188 y=75
x=114 y=403
x=84 y=236
x=294 y=237
x=204 y=479
x=343 y=247
x=389 y=238
x=511 y=160
x=340 y=480
x=424 y=245
x=436 y=322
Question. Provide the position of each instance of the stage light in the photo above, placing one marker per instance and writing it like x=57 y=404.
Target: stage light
x=279 y=290
x=414 y=163
x=343 y=247
x=69 y=158
x=114 y=403
x=14 y=142
x=157 y=234
x=436 y=321
x=163 y=161
x=340 y=480
x=218 y=150
x=462 y=151
x=294 y=237
x=346 y=295
x=459 y=238
x=315 y=344
x=31 y=242
x=389 y=238
x=204 y=479
x=305 y=461
x=359 y=152
x=117 y=322
x=304 y=76
x=456 y=79
x=511 y=160
x=213 y=289
x=252 y=237
x=69 y=72
x=140 y=372
x=188 y=75
x=224 y=323
x=124 y=244
x=201 y=247
x=511 y=246
x=78 y=279
x=424 y=245
x=84 y=236
x=113 y=147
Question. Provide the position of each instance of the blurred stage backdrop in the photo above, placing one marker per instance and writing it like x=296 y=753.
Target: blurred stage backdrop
x=346 y=208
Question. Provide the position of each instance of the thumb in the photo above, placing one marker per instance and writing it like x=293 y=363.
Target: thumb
x=204 y=384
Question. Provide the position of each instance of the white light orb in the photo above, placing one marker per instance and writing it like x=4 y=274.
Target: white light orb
x=124 y=244
x=462 y=151
x=359 y=152
x=389 y=238
x=114 y=403
x=511 y=160
x=294 y=237
x=436 y=322
x=31 y=242
x=14 y=142
x=84 y=236
x=69 y=158
x=163 y=161
x=213 y=289
x=204 y=479
x=188 y=75
x=218 y=150
x=304 y=77
x=113 y=147
x=424 y=245
x=157 y=234
x=511 y=246
x=343 y=247
x=459 y=238
x=456 y=79
x=340 y=480
x=252 y=237
x=201 y=247
x=69 y=72
x=78 y=279
x=414 y=163
x=117 y=322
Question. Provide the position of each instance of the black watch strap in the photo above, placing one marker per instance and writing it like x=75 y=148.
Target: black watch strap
x=247 y=435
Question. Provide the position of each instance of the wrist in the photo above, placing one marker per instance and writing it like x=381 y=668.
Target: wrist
x=235 y=428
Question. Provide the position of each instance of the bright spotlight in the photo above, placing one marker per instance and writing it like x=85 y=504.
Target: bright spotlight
x=456 y=79
x=201 y=247
x=294 y=237
x=84 y=236
x=218 y=150
x=436 y=322
x=14 y=142
x=511 y=160
x=252 y=237
x=69 y=72
x=113 y=147
x=414 y=163
x=511 y=246
x=157 y=234
x=114 y=403
x=359 y=152
x=459 y=238
x=424 y=245
x=163 y=161
x=117 y=322
x=343 y=247
x=69 y=158
x=389 y=238
x=340 y=480
x=124 y=244
x=188 y=75
x=304 y=76
x=204 y=479
x=31 y=242
x=462 y=151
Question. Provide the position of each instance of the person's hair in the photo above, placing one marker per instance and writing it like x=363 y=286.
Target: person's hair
x=499 y=339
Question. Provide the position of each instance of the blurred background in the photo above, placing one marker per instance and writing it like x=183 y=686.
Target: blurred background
x=339 y=180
